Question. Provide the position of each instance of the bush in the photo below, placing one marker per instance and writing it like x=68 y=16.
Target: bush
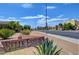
x=5 y=33
x=25 y=32
x=47 y=48
x=27 y=27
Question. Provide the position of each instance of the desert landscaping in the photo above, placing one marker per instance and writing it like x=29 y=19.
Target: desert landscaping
x=68 y=48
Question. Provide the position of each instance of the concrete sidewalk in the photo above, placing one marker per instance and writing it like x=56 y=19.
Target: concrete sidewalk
x=69 y=39
x=25 y=51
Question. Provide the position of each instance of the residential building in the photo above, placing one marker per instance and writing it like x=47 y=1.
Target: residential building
x=3 y=24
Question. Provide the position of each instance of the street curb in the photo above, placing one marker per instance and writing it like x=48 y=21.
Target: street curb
x=73 y=40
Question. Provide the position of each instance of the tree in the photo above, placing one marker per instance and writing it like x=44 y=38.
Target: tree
x=14 y=26
x=60 y=24
x=69 y=26
x=66 y=27
x=27 y=27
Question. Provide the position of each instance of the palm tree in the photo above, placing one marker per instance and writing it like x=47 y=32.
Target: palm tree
x=47 y=48
x=60 y=24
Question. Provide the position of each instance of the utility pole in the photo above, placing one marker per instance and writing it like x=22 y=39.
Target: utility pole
x=46 y=16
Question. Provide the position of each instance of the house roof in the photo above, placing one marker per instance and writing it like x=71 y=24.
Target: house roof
x=4 y=22
x=77 y=22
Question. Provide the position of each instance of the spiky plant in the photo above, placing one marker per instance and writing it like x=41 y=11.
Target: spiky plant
x=47 y=48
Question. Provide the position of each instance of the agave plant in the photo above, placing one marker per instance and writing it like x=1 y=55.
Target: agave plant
x=47 y=48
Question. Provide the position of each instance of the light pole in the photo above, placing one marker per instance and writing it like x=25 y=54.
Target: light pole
x=46 y=17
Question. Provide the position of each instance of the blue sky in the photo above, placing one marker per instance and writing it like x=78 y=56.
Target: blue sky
x=34 y=14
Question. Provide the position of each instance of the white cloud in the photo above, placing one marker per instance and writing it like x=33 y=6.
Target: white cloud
x=33 y=17
x=27 y=5
x=57 y=19
x=9 y=19
x=43 y=20
x=51 y=7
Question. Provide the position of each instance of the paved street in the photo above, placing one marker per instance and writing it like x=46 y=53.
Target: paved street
x=72 y=34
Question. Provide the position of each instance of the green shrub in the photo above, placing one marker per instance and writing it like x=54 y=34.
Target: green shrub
x=27 y=27
x=5 y=33
x=47 y=48
x=25 y=32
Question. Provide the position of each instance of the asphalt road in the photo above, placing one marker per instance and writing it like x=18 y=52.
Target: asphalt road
x=72 y=34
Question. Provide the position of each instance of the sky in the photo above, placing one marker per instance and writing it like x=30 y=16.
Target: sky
x=34 y=14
